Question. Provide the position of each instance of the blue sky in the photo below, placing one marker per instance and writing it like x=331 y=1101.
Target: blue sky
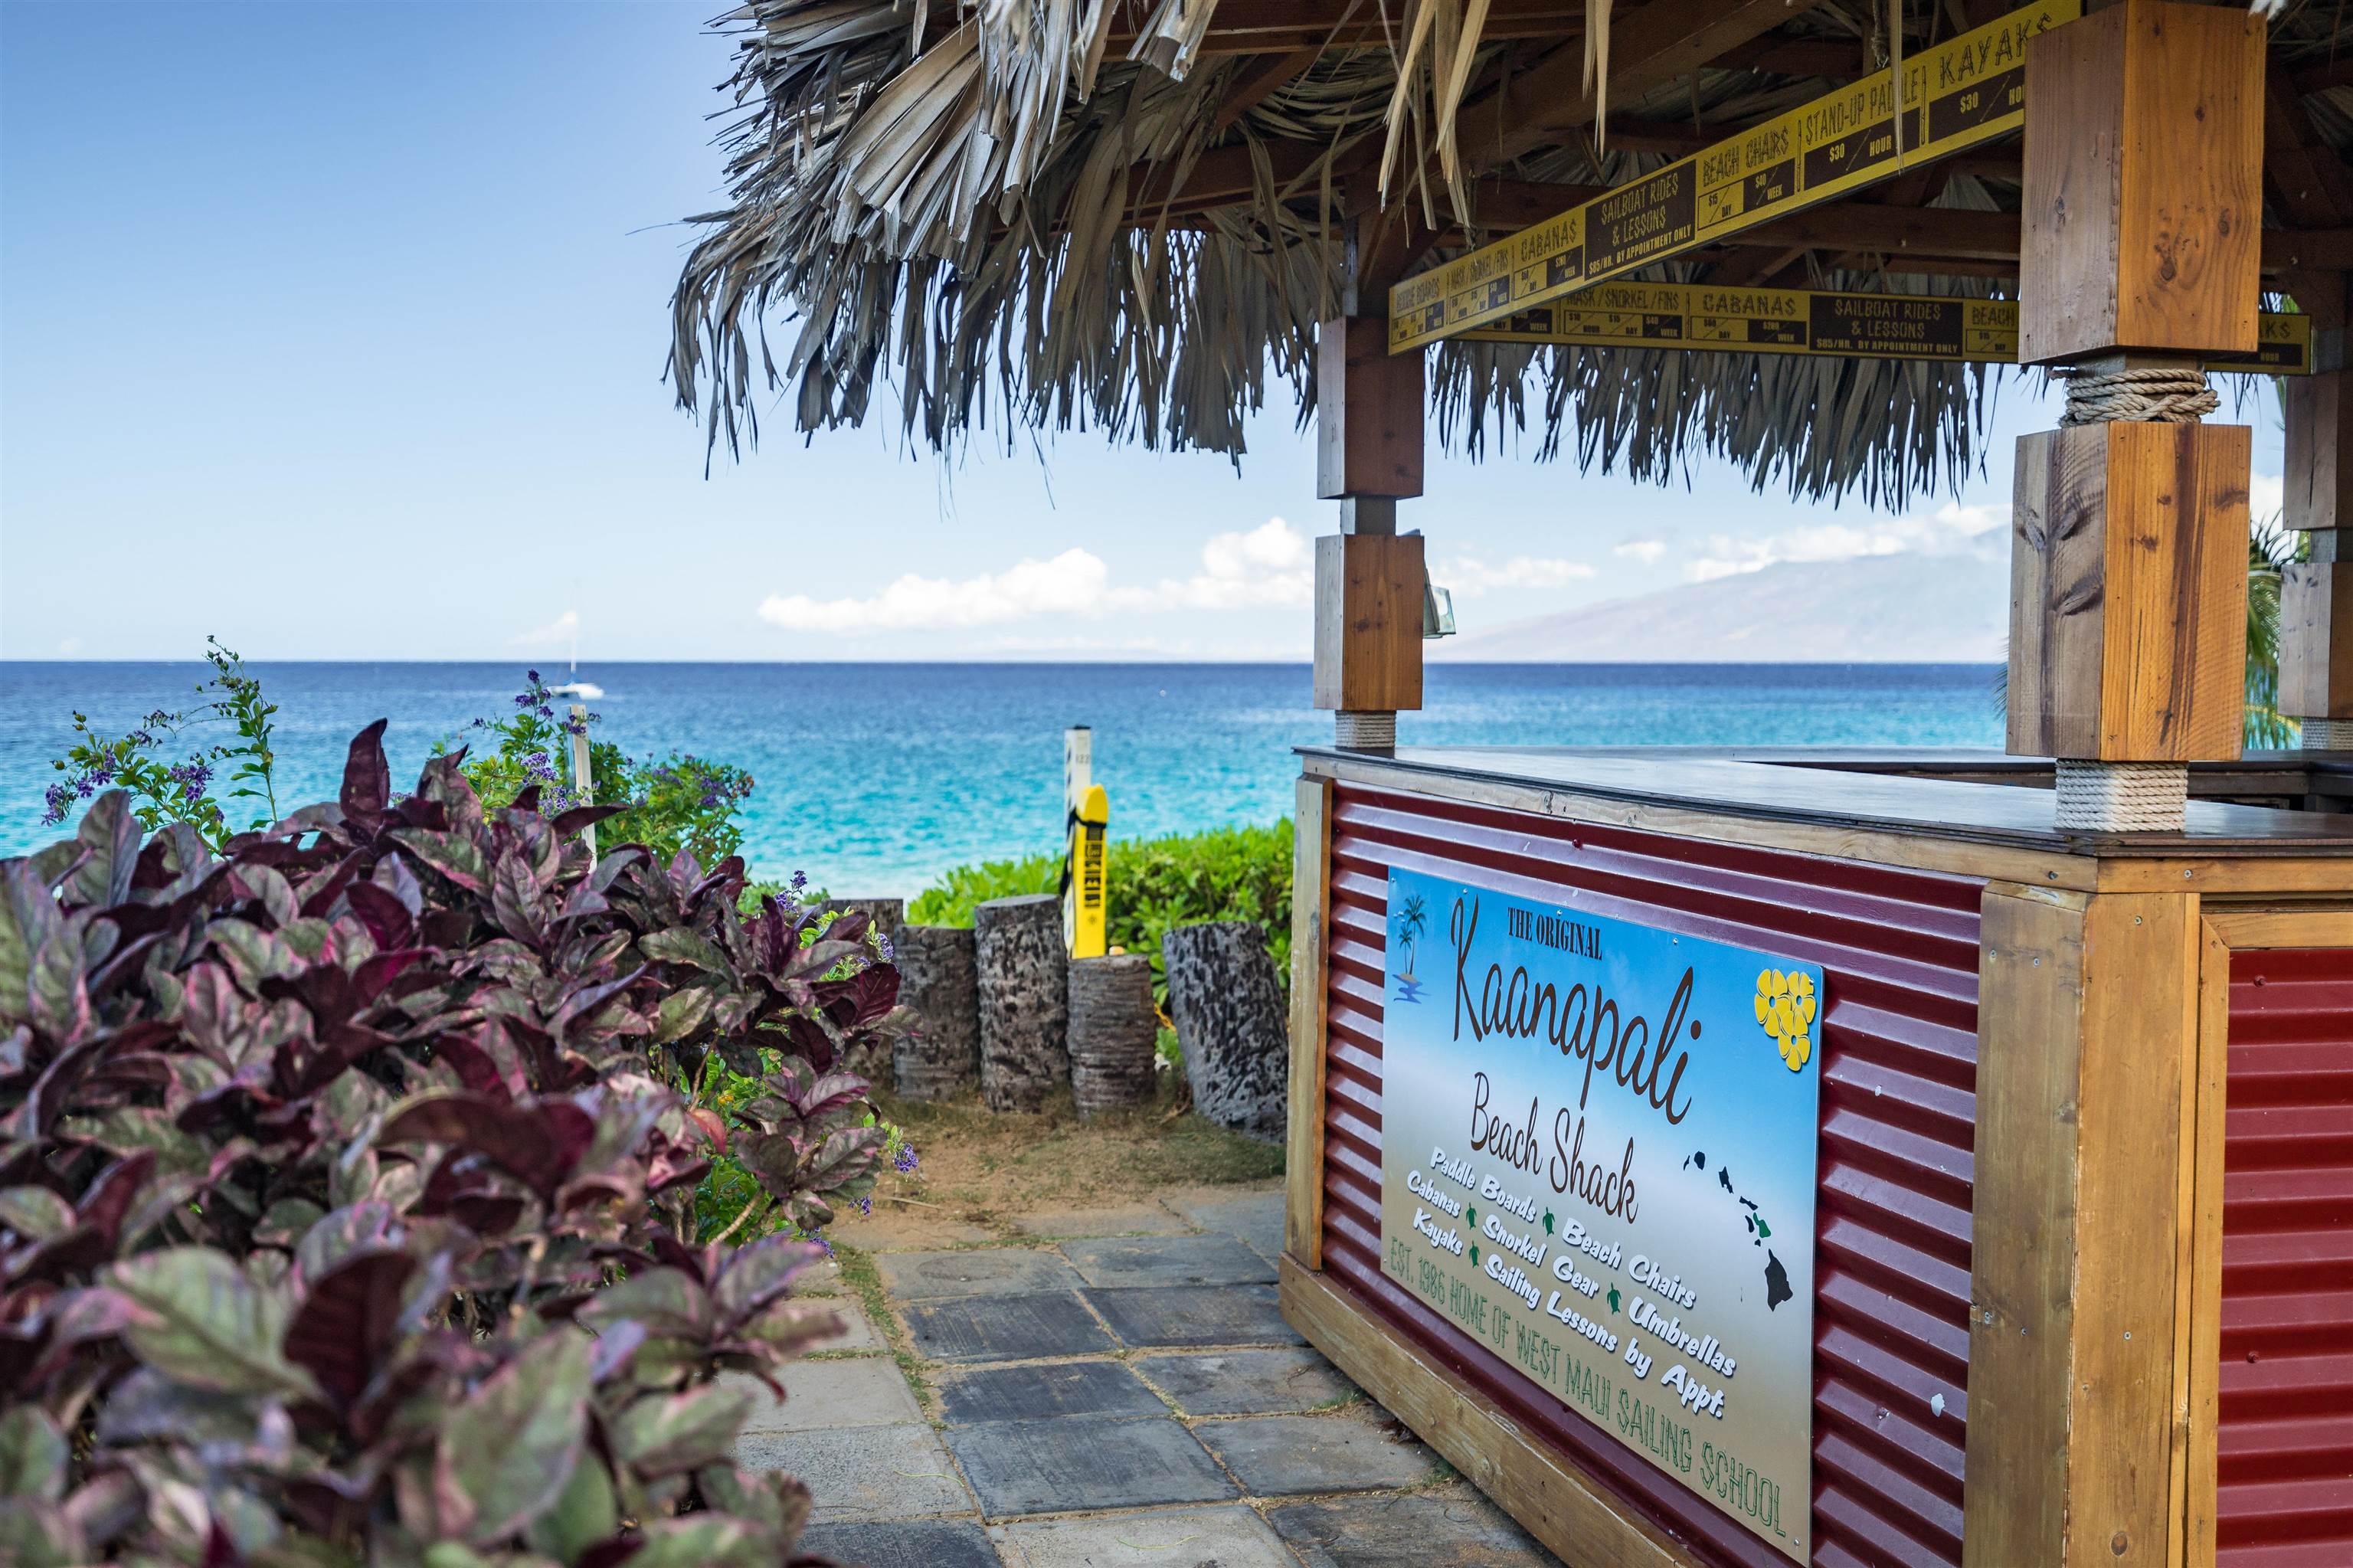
x=338 y=330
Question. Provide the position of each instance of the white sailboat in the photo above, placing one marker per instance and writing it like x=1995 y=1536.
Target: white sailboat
x=577 y=688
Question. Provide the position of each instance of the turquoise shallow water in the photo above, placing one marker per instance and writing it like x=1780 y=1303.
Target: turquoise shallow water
x=873 y=777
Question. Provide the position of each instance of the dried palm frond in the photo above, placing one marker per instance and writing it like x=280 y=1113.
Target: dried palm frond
x=988 y=209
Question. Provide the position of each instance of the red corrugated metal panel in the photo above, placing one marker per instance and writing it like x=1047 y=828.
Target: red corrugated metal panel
x=1899 y=955
x=2286 y=1440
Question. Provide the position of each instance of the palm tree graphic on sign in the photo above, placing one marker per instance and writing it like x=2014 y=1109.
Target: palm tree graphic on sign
x=1412 y=920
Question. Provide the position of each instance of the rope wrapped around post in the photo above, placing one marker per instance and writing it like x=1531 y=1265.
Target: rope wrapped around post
x=2327 y=733
x=2123 y=797
x=1353 y=731
x=2130 y=797
x=2167 y=396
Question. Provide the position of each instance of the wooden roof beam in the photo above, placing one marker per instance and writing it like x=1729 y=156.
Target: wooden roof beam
x=1663 y=41
x=1276 y=26
x=1260 y=81
x=1899 y=233
x=2305 y=174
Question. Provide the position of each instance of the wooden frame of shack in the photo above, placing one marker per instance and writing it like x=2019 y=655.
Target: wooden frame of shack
x=1722 y=1157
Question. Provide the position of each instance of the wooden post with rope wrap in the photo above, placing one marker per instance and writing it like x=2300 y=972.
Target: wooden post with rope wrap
x=2140 y=256
x=1369 y=446
x=2142 y=194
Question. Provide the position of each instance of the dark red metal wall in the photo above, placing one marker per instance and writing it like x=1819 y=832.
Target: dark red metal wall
x=1899 y=955
x=2286 y=1448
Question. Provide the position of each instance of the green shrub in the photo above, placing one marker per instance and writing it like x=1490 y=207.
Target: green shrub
x=667 y=803
x=1225 y=873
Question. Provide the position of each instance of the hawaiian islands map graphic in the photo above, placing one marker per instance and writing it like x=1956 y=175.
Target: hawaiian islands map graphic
x=1776 y=1278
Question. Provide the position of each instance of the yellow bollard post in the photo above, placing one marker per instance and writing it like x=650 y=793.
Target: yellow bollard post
x=1086 y=895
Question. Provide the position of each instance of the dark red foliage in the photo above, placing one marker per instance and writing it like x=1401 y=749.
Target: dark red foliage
x=347 y=1195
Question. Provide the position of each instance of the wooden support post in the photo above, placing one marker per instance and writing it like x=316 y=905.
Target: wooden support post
x=2140 y=250
x=2315 y=678
x=1368 y=412
x=1368 y=578
x=2316 y=668
x=2143 y=183
x=1368 y=622
x=2085 y=1209
x=1368 y=419
x=2128 y=604
x=1311 y=903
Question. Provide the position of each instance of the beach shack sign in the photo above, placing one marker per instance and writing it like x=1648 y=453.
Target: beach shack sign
x=1598 y=1158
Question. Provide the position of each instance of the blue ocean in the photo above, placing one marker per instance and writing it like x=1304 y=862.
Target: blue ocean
x=875 y=777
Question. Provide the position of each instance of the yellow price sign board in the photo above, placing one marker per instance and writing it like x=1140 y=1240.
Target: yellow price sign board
x=1823 y=322
x=1085 y=902
x=1956 y=95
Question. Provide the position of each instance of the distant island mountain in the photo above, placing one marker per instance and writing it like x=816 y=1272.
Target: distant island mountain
x=1897 y=609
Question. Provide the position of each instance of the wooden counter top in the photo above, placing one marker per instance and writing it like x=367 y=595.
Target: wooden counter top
x=1932 y=793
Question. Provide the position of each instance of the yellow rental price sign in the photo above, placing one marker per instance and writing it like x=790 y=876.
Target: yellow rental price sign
x=1962 y=93
x=1089 y=824
x=1827 y=322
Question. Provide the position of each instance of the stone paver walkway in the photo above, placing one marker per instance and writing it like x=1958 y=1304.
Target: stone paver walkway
x=1112 y=1387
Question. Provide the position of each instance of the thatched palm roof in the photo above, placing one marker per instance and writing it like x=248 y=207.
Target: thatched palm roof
x=1125 y=216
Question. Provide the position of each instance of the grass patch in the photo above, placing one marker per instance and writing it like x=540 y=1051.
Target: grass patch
x=865 y=1282
x=985 y=1167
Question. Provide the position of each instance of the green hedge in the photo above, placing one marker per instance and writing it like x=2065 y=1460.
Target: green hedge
x=1225 y=873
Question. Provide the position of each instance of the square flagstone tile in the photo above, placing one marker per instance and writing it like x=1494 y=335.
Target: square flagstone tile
x=903 y=1543
x=1174 y=1315
x=987 y=1271
x=1168 y=1260
x=862 y=1391
x=857 y=1330
x=1004 y=1328
x=1045 y=1388
x=1279 y=1456
x=1120 y=1220
x=1451 y=1528
x=1085 y=1462
x=1256 y=1217
x=858 y=1473
x=1247 y=1383
x=1224 y=1536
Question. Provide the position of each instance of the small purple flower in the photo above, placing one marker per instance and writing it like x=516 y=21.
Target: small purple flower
x=60 y=796
x=866 y=1205
x=905 y=1164
x=882 y=946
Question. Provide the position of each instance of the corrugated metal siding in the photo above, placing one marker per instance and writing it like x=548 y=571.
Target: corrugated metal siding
x=1899 y=954
x=2285 y=1450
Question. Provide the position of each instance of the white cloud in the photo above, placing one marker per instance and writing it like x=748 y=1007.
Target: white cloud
x=1271 y=565
x=1072 y=583
x=1951 y=530
x=69 y=647
x=563 y=628
x=2266 y=497
x=1470 y=577
x=1647 y=551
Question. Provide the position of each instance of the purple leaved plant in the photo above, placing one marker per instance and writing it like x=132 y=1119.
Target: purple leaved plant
x=346 y=1186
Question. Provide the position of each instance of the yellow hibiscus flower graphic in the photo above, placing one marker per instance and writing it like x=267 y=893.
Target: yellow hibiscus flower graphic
x=1786 y=1005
